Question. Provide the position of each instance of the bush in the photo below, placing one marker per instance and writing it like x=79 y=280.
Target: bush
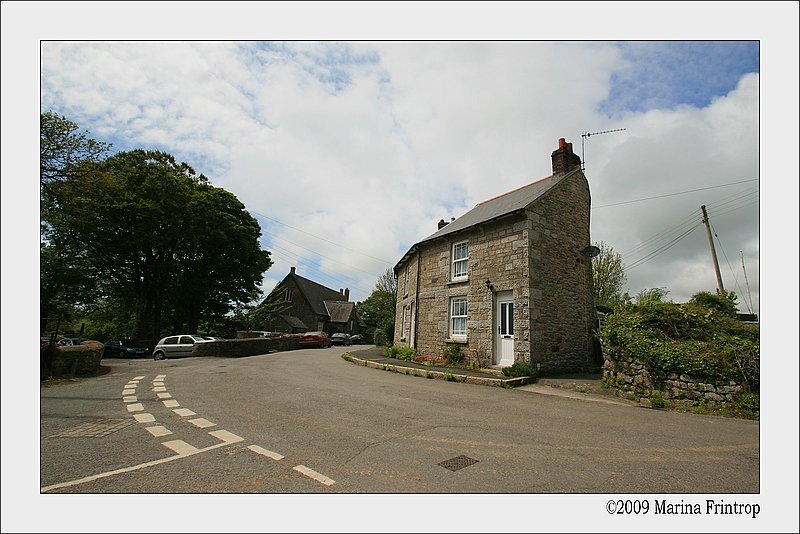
x=399 y=352
x=687 y=339
x=453 y=354
x=520 y=369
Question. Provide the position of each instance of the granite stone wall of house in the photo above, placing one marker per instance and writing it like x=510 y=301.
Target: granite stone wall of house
x=562 y=306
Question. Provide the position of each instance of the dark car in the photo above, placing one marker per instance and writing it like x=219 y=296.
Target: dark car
x=356 y=339
x=315 y=339
x=340 y=338
x=125 y=348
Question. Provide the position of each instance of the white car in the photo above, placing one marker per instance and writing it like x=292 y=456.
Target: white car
x=176 y=346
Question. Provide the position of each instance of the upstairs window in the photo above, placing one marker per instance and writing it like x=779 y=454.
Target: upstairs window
x=458 y=317
x=405 y=282
x=460 y=260
x=289 y=294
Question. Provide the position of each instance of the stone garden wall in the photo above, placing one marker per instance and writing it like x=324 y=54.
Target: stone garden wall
x=237 y=348
x=629 y=375
x=78 y=360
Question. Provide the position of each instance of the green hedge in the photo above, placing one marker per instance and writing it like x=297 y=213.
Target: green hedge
x=684 y=338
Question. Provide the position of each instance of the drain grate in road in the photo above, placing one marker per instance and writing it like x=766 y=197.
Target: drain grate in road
x=459 y=462
x=96 y=429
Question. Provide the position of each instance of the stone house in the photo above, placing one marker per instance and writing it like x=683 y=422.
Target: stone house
x=510 y=280
x=309 y=306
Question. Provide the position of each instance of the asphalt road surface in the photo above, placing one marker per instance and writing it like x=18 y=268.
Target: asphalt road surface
x=309 y=422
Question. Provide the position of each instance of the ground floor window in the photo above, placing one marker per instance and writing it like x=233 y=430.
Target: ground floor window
x=458 y=317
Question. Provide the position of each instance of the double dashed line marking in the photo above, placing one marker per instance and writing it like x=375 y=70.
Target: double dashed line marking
x=180 y=447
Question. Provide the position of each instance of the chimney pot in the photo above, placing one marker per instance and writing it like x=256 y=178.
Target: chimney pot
x=291 y=270
x=452 y=219
x=564 y=159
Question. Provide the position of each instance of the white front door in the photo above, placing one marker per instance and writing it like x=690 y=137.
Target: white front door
x=504 y=332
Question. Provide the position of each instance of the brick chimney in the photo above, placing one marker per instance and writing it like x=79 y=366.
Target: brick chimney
x=291 y=270
x=564 y=159
x=347 y=294
x=442 y=224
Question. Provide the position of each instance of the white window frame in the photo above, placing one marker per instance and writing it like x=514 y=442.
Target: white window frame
x=459 y=315
x=405 y=282
x=459 y=273
x=403 y=324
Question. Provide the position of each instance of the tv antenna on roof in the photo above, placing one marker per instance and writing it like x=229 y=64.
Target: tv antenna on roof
x=584 y=135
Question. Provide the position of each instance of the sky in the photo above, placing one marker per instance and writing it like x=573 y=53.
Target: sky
x=348 y=130
x=347 y=153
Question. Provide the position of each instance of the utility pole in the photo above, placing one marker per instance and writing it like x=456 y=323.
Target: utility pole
x=720 y=288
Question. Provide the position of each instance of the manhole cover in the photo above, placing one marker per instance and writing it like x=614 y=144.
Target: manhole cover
x=459 y=462
x=96 y=429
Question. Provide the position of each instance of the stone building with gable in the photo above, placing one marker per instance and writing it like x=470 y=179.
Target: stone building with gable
x=510 y=280
x=309 y=306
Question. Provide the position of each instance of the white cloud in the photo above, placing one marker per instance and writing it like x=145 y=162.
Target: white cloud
x=368 y=145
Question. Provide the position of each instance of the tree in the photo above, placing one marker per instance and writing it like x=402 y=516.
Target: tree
x=62 y=148
x=387 y=282
x=608 y=277
x=157 y=238
x=377 y=312
x=260 y=317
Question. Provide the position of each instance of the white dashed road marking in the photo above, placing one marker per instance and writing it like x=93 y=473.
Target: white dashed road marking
x=181 y=447
x=226 y=436
x=140 y=377
x=184 y=412
x=159 y=431
x=313 y=474
x=130 y=398
x=202 y=423
x=265 y=452
x=159 y=388
x=144 y=417
x=164 y=395
x=171 y=403
x=135 y=407
x=128 y=391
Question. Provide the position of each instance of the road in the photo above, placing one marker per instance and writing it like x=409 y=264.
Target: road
x=308 y=422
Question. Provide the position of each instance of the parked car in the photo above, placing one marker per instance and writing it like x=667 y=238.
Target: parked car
x=340 y=338
x=69 y=341
x=356 y=339
x=210 y=338
x=176 y=346
x=315 y=339
x=125 y=348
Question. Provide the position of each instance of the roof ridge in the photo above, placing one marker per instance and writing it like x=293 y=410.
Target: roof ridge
x=514 y=190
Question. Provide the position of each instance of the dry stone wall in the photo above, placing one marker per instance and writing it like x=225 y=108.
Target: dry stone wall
x=631 y=376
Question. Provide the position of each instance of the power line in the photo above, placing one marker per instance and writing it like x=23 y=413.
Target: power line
x=659 y=251
x=320 y=255
x=673 y=194
x=321 y=238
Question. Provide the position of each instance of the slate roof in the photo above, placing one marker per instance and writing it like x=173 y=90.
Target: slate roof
x=294 y=322
x=316 y=294
x=496 y=207
x=339 y=311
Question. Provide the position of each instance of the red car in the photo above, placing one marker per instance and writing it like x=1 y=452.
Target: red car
x=315 y=339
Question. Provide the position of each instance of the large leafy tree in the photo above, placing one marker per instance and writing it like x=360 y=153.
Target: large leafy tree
x=62 y=147
x=63 y=274
x=157 y=238
x=608 y=277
